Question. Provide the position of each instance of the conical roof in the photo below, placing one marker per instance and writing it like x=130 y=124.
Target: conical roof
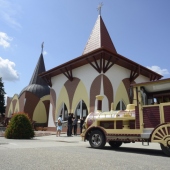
x=40 y=68
x=37 y=85
x=99 y=38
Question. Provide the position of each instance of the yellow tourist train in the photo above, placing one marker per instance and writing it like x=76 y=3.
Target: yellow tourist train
x=145 y=120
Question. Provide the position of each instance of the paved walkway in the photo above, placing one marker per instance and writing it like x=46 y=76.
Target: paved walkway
x=44 y=141
x=49 y=139
x=49 y=135
x=37 y=133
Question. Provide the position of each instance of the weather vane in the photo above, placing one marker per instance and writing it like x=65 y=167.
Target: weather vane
x=42 y=46
x=99 y=7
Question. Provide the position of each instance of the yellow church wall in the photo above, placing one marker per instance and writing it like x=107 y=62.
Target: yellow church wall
x=39 y=114
x=80 y=94
x=121 y=94
x=16 y=109
x=47 y=97
x=62 y=98
x=11 y=108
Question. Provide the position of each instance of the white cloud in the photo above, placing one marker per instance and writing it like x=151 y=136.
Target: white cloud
x=7 y=71
x=45 y=53
x=158 y=70
x=8 y=13
x=5 y=40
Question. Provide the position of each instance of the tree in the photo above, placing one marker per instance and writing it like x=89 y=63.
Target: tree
x=2 y=100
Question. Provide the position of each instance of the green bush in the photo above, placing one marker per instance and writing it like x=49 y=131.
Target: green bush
x=19 y=127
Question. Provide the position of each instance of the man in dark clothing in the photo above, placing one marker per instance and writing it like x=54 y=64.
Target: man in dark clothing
x=75 y=125
x=69 y=124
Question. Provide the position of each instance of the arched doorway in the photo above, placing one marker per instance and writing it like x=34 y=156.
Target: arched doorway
x=120 y=105
x=81 y=110
x=64 y=112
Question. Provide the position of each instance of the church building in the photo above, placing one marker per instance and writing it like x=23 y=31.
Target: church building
x=100 y=70
x=73 y=86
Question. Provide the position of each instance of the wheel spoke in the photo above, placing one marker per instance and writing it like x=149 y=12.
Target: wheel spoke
x=160 y=134
x=166 y=129
x=162 y=131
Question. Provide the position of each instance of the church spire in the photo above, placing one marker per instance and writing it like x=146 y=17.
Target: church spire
x=40 y=68
x=99 y=36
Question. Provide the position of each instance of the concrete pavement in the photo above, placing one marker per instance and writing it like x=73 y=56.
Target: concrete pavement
x=49 y=139
x=41 y=140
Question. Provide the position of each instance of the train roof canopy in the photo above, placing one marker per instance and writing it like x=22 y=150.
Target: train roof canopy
x=155 y=86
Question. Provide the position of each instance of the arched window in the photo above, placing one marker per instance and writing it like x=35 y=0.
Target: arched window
x=64 y=112
x=81 y=110
x=120 y=105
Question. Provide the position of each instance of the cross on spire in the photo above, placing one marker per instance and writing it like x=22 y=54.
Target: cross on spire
x=42 y=46
x=99 y=7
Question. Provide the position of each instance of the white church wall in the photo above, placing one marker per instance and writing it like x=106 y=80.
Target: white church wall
x=58 y=82
x=116 y=74
x=86 y=74
x=141 y=79
x=50 y=118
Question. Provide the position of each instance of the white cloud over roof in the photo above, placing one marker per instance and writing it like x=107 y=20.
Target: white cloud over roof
x=158 y=70
x=7 y=70
x=5 y=40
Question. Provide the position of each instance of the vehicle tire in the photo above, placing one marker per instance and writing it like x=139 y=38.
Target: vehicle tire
x=166 y=150
x=115 y=144
x=97 y=139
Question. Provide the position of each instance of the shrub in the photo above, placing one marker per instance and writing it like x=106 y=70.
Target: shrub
x=19 y=127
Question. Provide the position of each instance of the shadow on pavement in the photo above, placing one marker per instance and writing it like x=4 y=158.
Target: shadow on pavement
x=142 y=151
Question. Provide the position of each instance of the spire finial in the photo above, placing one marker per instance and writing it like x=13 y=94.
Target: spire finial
x=99 y=7
x=42 y=46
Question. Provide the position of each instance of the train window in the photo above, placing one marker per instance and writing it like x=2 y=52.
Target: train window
x=144 y=96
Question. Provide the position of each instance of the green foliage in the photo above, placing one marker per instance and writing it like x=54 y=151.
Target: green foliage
x=20 y=127
x=2 y=101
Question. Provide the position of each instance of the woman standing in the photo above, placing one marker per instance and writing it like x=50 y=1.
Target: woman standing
x=59 y=126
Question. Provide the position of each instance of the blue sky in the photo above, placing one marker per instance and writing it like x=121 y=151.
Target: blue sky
x=139 y=29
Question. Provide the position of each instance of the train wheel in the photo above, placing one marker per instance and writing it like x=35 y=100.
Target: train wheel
x=97 y=139
x=162 y=135
x=115 y=144
x=166 y=150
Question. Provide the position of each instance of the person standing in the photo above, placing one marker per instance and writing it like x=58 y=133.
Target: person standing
x=59 y=125
x=69 y=125
x=75 y=126
x=81 y=124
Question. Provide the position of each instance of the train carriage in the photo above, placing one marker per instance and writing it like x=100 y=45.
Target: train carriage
x=146 y=119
